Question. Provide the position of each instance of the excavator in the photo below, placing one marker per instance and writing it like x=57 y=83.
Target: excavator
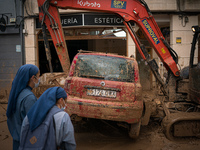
x=181 y=97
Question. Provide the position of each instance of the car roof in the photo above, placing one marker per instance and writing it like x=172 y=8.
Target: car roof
x=105 y=54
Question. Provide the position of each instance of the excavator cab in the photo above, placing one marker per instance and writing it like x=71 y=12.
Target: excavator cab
x=186 y=123
x=194 y=69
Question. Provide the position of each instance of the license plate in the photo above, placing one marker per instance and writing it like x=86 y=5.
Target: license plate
x=102 y=93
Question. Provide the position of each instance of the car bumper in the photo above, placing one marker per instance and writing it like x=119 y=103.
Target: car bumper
x=116 y=111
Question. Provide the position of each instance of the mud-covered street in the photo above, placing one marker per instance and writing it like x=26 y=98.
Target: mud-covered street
x=99 y=135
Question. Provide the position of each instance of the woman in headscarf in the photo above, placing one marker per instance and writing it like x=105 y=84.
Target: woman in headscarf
x=47 y=125
x=21 y=99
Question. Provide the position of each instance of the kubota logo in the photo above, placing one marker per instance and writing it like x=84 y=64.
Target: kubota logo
x=88 y=4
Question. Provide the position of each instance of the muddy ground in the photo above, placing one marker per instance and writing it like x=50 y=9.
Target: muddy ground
x=98 y=135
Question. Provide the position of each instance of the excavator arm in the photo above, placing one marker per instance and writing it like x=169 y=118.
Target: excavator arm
x=129 y=10
x=187 y=118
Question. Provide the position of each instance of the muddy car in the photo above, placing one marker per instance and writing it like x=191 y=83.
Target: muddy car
x=105 y=86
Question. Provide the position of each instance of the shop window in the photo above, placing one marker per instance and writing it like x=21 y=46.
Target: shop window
x=92 y=33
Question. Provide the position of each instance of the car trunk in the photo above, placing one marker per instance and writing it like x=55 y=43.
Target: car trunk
x=105 y=78
x=103 y=90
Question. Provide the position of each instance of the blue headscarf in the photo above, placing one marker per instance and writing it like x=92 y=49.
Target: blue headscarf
x=47 y=100
x=19 y=83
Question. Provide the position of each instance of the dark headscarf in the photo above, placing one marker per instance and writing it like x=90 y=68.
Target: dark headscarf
x=19 y=83
x=47 y=100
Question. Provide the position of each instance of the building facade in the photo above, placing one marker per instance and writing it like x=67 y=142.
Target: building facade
x=11 y=42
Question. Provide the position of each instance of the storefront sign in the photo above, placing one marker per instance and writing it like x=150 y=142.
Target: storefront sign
x=102 y=19
x=91 y=19
x=72 y=20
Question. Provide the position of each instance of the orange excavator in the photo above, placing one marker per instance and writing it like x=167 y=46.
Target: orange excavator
x=181 y=107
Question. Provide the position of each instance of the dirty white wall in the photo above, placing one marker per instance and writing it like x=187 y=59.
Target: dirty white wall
x=181 y=30
x=162 y=5
x=30 y=42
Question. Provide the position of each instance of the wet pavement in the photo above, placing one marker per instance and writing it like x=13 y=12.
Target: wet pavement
x=5 y=137
x=97 y=135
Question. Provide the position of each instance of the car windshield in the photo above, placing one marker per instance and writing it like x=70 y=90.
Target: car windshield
x=105 y=67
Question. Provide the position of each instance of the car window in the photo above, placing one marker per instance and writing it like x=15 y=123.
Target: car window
x=105 y=67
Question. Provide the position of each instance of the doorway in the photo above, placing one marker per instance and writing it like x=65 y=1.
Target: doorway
x=73 y=47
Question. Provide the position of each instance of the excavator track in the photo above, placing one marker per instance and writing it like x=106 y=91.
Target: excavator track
x=181 y=125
